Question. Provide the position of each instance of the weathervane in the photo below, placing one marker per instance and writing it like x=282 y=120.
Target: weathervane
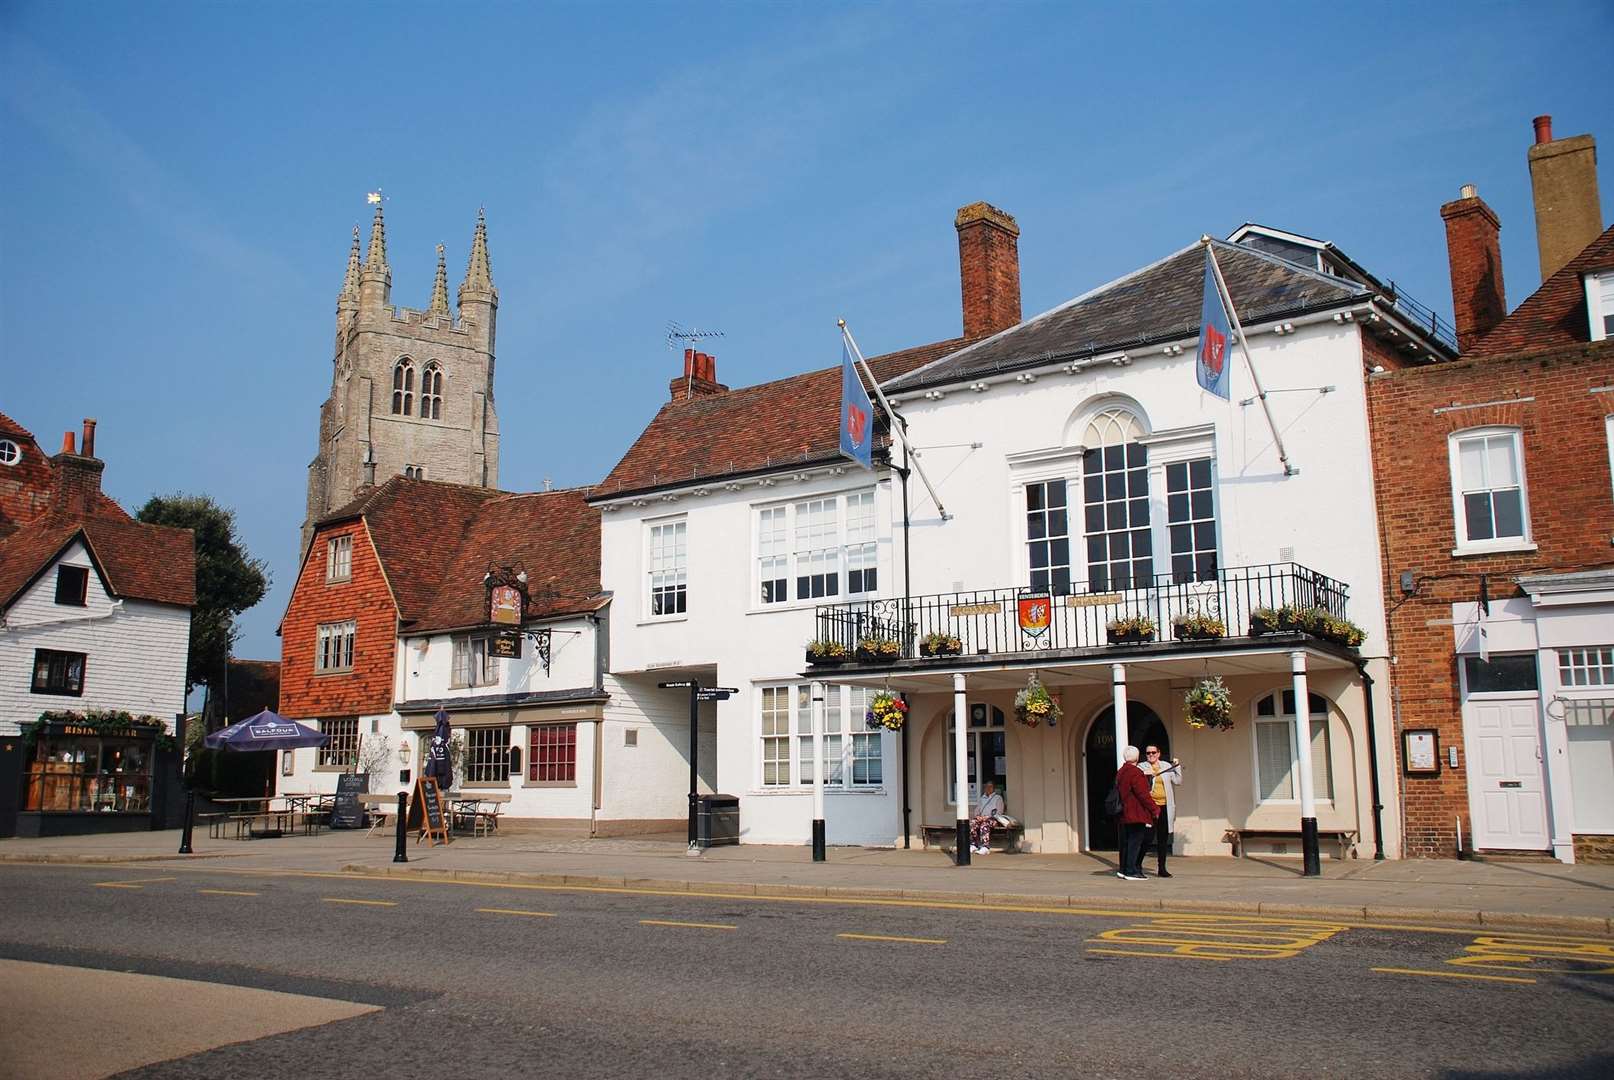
x=374 y=197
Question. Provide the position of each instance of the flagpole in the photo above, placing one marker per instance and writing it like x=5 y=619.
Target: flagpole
x=1244 y=346
x=885 y=404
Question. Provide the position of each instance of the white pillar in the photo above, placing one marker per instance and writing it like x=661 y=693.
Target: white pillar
x=1308 y=800
x=1118 y=682
x=961 y=720
x=816 y=691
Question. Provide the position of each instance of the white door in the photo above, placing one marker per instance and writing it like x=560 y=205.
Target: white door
x=1506 y=800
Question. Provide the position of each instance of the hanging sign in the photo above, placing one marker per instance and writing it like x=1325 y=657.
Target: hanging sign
x=1035 y=611
x=506 y=644
x=504 y=605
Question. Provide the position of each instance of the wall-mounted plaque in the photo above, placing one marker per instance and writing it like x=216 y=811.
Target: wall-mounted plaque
x=1420 y=752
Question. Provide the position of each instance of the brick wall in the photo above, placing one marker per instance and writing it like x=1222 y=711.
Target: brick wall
x=988 y=268
x=1571 y=507
x=366 y=599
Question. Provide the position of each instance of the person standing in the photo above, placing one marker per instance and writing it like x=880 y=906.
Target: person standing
x=986 y=815
x=1163 y=779
x=1137 y=811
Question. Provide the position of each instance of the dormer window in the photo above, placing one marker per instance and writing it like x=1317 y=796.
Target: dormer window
x=10 y=452
x=1600 y=304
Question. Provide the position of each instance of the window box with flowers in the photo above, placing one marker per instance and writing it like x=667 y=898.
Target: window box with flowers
x=1198 y=627
x=1034 y=705
x=871 y=650
x=1263 y=620
x=939 y=644
x=825 y=653
x=1207 y=704
x=886 y=710
x=1131 y=630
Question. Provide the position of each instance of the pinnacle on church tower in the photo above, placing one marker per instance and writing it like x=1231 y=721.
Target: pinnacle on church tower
x=375 y=261
x=350 y=282
x=440 y=288
x=479 y=273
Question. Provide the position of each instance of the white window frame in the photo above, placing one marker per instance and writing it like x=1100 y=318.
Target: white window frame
x=787 y=743
x=339 y=558
x=671 y=575
x=852 y=545
x=10 y=452
x=1586 y=667
x=1608 y=425
x=1599 y=303
x=472 y=662
x=1464 y=545
x=1322 y=772
x=494 y=754
x=334 y=646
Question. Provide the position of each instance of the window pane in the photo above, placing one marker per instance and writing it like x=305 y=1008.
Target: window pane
x=1502 y=673
x=1508 y=505
x=1501 y=466
x=1273 y=753
x=1177 y=476
x=1477 y=515
x=1471 y=462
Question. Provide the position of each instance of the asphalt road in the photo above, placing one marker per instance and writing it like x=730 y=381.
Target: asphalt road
x=480 y=981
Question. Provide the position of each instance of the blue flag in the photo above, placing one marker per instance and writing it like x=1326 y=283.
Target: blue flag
x=1210 y=363
x=857 y=415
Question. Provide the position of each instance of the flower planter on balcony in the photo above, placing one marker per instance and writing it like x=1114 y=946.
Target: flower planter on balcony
x=1263 y=621
x=1183 y=633
x=1127 y=637
x=824 y=661
x=945 y=648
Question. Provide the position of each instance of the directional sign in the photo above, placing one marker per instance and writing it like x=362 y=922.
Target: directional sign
x=715 y=693
x=677 y=685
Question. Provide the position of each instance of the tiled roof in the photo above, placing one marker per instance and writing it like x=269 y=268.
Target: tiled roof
x=139 y=561
x=772 y=425
x=1157 y=303
x=1555 y=314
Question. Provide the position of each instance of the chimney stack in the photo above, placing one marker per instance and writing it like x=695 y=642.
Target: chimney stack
x=988 y=268
x=88 y=442
x=1473 y=247
x=699 y=378
x=77 y=475
x=1563 y=179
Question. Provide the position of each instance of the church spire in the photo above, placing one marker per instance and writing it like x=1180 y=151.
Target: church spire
x=376 y=259
x=479 y=273
x=375 y=280
x=440 y=289
x=350 y=282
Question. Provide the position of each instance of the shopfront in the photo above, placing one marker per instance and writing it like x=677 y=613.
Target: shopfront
x=81 y=777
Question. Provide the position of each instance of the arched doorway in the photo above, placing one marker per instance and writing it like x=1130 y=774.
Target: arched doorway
x=1144 y=728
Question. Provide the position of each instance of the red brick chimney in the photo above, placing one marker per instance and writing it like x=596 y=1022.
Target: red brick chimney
x=78 y=475
x=1474 y=249
x=699 y=378
x=988 y=268
x=1563 y=184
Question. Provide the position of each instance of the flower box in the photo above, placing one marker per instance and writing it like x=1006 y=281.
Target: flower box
x=1129 y=637
x=1263 y=621
x=824 y=660
x=940 y=645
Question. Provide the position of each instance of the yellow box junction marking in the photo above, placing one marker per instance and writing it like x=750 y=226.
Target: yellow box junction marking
x=514 y=911
x=1453 y=975
x=1538 y=955
x=366 y=903
x=225 y=892
x=883 y=937
x=690 y=925
x=1213 y=937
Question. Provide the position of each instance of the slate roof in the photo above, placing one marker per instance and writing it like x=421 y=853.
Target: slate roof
x=791 y=421
x=1161 y=302
x=1554 y=315
x=137 y=561
x=436 y=541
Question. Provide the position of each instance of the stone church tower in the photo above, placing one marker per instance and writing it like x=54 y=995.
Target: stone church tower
x=411 y=391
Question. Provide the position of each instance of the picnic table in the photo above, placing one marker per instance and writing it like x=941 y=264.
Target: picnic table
x=477 y=811
x=377 y=807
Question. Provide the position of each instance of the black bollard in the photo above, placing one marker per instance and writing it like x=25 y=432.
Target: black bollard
x=190 y=820
x=401 y=854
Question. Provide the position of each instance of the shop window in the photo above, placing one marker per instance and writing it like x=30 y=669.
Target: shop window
x=79 y=774
x=58 y=672
x=552 y=758
x=1275 y=747
x=72 y=585
x=487 y=755
x=343 y=750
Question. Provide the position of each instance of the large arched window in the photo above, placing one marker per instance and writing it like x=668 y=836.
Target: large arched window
x=1275 y=747
x=1115 y=502
x=431 y=392
x=403 y=388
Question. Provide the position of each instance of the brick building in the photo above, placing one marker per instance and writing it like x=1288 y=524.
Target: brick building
x=1496 y=511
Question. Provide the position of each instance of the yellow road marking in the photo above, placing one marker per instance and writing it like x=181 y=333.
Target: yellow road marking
x=1162 y=956
x=131 y=883
x=1538 y=953
x=225 y=892
x=116 y=885
x=513 y=911
x=1217 y=938
x=883 y=937
x=844 y=901
x=1454 y=975
x=367 y=903
x=693 y=925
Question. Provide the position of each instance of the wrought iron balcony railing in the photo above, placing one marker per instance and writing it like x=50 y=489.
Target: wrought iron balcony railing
x=1021 y=620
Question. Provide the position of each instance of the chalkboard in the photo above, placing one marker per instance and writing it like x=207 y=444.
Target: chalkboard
x=346 y=813
x=426 y=811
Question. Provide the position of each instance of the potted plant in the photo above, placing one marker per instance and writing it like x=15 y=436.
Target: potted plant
x=1198 y=627
x=874 y=649
x=1035 y=704
x=1342 y=631
x=826 y=653
x=940 y=644
x=1207 y=704
x=1131 y=630
x=1263 y=620
x=886 y=710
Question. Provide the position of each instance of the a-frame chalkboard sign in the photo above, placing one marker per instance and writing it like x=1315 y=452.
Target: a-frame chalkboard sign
x=426 y=812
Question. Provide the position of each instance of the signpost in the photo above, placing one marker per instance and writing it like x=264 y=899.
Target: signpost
x=697 y=694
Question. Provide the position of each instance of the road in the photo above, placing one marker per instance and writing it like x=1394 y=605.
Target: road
x=390 y=977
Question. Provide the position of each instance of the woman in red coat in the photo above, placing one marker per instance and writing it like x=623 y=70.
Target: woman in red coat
x=1138 y=812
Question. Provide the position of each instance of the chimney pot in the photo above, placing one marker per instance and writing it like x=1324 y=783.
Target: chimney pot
x=67 y=443
x=1469 y=191
x=1543 y=125
x=88 y=442
x=988 y=268
x=689 y=362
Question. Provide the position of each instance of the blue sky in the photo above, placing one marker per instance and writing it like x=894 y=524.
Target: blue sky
x=179 y=182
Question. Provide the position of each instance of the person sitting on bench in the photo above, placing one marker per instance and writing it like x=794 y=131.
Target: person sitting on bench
x=987 y=811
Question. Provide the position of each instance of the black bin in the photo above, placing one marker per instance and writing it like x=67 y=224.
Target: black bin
x=717 y=820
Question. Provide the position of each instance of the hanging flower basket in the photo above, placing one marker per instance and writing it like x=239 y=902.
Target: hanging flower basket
x=887 y=711
x=938 y=644
x=824 y=653
x=873 y=650
x=1207 y=704
x=1035 y=704
x=1131 y=630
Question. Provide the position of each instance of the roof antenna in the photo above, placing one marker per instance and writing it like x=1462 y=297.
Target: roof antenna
x=679 y=335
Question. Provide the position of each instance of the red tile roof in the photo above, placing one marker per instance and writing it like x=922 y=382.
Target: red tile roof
x=138 y=561
x=1555 y=314
x=787 y=422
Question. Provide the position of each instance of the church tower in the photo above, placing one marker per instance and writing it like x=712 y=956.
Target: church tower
x=411 y=391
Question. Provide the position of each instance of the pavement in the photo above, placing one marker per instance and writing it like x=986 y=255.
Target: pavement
x=1525 y=894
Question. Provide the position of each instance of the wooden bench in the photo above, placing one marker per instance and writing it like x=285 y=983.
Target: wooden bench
x=1345 y=838
x=945 y=837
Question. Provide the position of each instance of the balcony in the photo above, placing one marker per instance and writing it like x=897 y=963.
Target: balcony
x=1005 y=622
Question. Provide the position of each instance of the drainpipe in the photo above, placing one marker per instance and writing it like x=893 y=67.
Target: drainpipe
x=907 y=607
x=1373 y=766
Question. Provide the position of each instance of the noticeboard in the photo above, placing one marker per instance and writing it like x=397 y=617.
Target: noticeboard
x=426 y=812
x=346 y=812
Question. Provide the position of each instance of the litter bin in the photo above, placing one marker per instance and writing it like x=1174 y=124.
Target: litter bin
x=717 y=821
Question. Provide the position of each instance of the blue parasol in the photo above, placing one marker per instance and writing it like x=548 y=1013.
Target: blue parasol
x=438 y=766
x=265 y=731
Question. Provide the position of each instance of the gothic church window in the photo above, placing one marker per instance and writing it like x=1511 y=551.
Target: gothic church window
x=403 y=388
x=431 y=392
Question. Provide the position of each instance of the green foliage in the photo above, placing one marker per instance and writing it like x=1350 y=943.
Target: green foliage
x=228 y=579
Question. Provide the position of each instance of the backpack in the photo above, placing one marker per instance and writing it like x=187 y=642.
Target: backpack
x=1112 y=801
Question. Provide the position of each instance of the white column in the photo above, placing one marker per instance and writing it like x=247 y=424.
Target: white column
x=1302 y=771
x=1118 y=682
x=816 y=692
x=961 y=720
